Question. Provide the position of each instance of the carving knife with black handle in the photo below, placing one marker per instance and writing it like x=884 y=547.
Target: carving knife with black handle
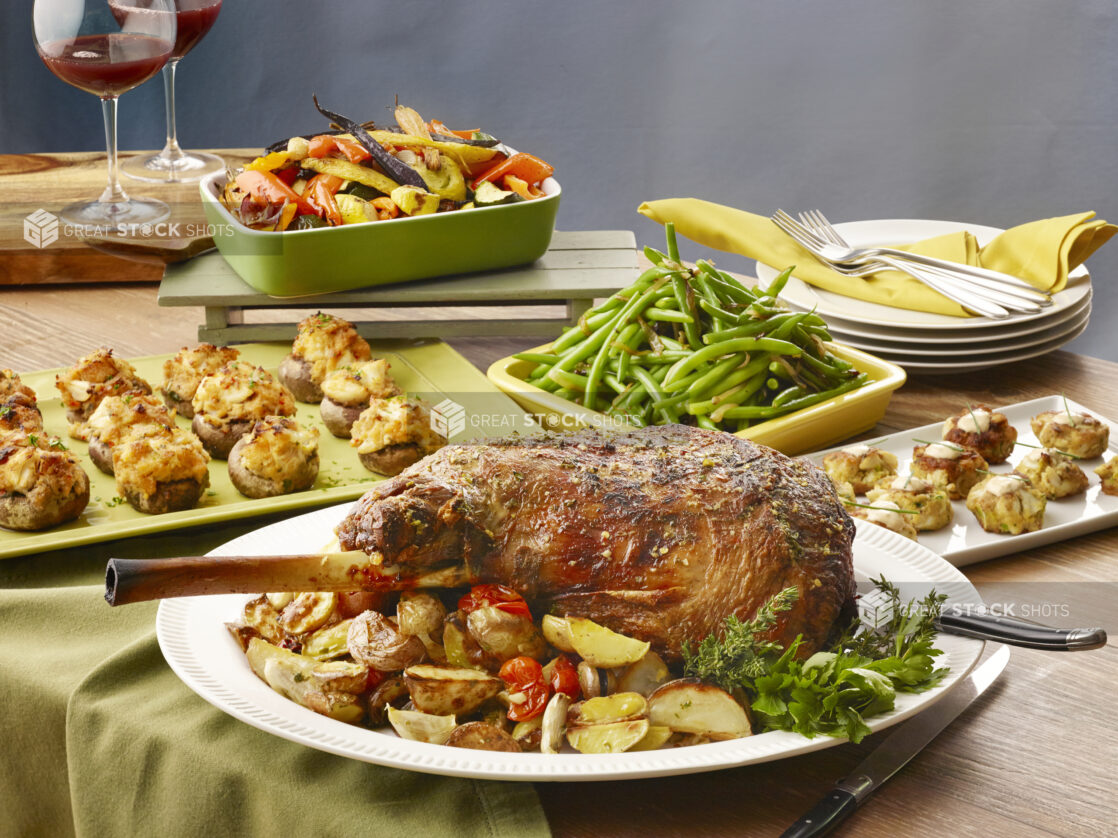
x=1018 y=632
x=895 y=752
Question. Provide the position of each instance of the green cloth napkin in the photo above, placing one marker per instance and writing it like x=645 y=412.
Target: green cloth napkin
x=1040 y=252
x=101 y=738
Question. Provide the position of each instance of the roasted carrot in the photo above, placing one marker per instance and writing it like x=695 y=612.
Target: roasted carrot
x=527 y=167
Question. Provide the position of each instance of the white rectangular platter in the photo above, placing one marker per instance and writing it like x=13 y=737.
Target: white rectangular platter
x=964 y=542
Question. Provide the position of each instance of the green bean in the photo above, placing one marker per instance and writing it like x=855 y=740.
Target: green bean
x=627 y=341
x=672 y=344
x=673 y=247
x=772 y=384
x=690 y=330
x=668 y=412
x=784 y=396
x=703 y=422
x=669 y=315
x=637 y=304
x=748 y=391
x=715 y=376
x=716 y=350
x=756 y=366
x=720 y=314
x=537 y=357
x=570 y=380
x=754 y=327
x=777 y=285
x=768 y=411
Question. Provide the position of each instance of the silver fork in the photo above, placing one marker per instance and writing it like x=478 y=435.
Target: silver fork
x=1031 y=299
x=815 y=220
x=971 y=301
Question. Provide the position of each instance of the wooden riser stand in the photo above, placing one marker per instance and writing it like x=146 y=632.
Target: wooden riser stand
x=578 y=268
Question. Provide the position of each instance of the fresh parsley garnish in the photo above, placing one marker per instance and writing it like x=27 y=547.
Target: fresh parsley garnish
x=834 y=690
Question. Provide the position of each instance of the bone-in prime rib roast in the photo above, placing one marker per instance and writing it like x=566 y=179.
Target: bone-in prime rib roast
x=658 y=534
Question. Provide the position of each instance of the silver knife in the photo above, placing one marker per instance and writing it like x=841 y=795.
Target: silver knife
x=894 y=753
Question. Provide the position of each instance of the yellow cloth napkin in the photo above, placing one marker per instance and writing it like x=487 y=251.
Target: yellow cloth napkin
x=1040 y=252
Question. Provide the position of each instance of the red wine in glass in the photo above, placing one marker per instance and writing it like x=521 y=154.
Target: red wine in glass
x=105 y=65
x=172 y=164
x=87 y=46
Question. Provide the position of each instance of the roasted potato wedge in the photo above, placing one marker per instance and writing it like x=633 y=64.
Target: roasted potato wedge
x=482 y=736
x=421 y=727
x=445 y=690
x=687 y=705
x=608 y=738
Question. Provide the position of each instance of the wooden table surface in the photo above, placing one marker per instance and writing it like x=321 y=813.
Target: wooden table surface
x=1037 y=755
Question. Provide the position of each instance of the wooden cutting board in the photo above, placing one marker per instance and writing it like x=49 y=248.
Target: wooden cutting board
x=33 y=182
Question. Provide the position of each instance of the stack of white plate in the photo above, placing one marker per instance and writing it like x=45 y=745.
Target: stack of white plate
x=936 y=343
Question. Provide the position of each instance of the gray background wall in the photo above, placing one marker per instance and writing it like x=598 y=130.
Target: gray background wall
x=992 y=111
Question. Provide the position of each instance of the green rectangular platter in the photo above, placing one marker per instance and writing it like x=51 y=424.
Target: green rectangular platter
x=430 y=369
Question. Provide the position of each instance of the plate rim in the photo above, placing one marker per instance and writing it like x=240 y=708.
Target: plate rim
x=1057 y=330
x=841 y=330
x=986 y=363
x=856 y=230
x=181 y=647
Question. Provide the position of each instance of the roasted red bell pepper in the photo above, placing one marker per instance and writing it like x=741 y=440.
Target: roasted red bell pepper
x=266 y=188
x=527 y=167
x=320 y=193
x=325 y=144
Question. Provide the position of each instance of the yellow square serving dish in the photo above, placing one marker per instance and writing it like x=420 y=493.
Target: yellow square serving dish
x=808 y=429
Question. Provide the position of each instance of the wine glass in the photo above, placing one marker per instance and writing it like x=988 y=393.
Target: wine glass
x=84 y=44
x=172 y=164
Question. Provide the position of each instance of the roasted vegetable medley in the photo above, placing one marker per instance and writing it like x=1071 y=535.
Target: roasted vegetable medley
x=357 y=173
x=485 y=674
x=694 y=345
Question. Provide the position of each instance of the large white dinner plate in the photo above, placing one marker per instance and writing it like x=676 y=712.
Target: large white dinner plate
x=954 y=365
x=893 y=231
x=964 y=541
x=955 y=338
x=918 y=350
x=199 y=649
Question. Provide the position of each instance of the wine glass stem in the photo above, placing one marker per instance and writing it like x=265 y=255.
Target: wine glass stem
x=113 y=193
x=171 y=151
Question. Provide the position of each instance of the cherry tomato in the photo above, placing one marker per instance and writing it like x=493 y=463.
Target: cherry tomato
x=498 y=596
x=564 y=677
x=523 y=676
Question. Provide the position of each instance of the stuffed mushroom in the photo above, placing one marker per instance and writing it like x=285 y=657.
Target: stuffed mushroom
x=20 y=412
x=983 y=430
x=949 y=467
x=230 y=401
x=346 y=392
x=1007 y=504
x=860 y=465
x=183 y=373
x=90 y=380
x=276 y=457
x=41 y=483
x=163 y=471
x=121 y=417
x=392 y=434
x=324 y=343
x=1078 y=434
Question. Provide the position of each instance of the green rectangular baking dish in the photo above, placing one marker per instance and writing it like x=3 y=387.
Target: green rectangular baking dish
x=300 y=262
